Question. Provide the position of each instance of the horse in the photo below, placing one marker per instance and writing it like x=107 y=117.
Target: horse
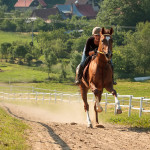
x=99 y=76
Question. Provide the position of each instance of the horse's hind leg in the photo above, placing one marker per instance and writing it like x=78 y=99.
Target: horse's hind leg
x=84 y=91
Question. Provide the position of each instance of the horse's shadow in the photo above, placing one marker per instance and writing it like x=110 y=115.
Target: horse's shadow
x=139 y=129
x=55 y=137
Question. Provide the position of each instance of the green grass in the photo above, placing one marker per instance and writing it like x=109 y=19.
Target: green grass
x=133 y=122
x=139 y=89
x=12 y=36
x=12 y=133
x=17 y=73
x=30 y=76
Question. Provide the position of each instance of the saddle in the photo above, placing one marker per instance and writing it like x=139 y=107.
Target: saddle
x=86 y=68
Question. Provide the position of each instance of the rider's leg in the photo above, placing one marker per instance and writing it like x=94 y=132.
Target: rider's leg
x=80 y=69
x=114 y=83
x=79 y=74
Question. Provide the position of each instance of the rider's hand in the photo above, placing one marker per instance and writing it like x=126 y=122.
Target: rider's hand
x=95 y=50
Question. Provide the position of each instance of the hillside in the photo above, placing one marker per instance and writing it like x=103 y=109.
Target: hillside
x=50 y=3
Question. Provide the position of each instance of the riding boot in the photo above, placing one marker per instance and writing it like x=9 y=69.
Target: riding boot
x=114 y=83
x=79 y=74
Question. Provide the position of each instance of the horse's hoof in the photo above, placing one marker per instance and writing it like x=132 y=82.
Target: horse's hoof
x=90 y=126
x=119 y=111
x=99 y=126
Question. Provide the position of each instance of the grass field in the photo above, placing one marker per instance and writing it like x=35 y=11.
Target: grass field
x=133 y=122
x=12 y=133
x=28 y=76
x=13 y=36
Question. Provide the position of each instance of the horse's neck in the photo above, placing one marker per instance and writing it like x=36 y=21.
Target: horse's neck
x=100 y=55
x=100 y=59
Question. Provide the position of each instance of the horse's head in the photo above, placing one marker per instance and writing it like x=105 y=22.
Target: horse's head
x=105 y=45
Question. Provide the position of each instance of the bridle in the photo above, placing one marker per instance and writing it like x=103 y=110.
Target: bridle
x=109 y=54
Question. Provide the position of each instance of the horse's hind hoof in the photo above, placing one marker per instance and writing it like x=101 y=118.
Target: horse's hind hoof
x=90 y=126
x=119 y=111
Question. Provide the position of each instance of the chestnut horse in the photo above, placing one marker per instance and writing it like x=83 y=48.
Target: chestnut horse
x=99 y=76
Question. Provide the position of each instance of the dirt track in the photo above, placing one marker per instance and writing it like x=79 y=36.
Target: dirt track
x=47 y=133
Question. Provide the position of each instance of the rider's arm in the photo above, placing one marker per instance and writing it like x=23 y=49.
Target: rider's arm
x=88 y=52
x=91 y=53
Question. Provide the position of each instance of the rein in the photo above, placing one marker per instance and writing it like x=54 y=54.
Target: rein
x=103 y=54
x=100 y=52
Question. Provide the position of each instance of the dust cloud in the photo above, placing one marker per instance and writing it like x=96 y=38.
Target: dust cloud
x=53 y=112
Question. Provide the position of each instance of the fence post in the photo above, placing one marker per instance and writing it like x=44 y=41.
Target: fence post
x=32 y=89
x=28 y=95
x=49 y=97
x=62 y=97
x=69 y=98
x=141 y=101
x=105 y=102
x=55 y=96
x=21 y=97
x=36 y=97
x=14 y=96
x=43 y=97
x=3 y=95
x=130 y=101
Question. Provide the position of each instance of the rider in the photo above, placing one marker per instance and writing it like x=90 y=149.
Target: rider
x=89 y=50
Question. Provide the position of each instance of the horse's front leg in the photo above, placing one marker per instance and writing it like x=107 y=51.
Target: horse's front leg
x=118 y=107
x=84 y=91
x=97 y=106
x=97 y=94
x=114 y=93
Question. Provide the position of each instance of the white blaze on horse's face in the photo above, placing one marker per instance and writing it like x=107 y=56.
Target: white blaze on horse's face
x=109 y=54
x=107 y=38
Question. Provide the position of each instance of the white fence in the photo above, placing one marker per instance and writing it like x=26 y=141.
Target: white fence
x=44 y=95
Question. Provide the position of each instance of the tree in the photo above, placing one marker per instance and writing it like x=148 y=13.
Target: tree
x=123 y=60
x=5 y=49
x=29 y=58
x=59 y=48
x=79 y=43
x=140 y=44
x=36 y=53
x=134 y=57
x=20 y=51
x=50 y=59
x=123 y=12
x=8 y=25
x=20 y=25
x=75 y=60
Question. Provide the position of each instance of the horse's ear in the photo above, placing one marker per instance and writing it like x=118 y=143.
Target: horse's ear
x=103 y=30
x=111 y=31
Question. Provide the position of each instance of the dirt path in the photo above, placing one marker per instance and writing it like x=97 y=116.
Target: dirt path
x=49 y=134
